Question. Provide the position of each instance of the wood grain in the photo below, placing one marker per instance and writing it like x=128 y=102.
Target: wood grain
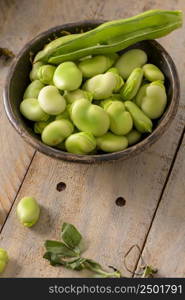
x=89 y=199
x=165 y=245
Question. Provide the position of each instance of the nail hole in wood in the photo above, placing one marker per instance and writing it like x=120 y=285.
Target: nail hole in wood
x=120 y=201
x=61 y=186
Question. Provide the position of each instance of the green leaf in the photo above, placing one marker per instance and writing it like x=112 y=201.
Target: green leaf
x=70 y=235
x=56 y=247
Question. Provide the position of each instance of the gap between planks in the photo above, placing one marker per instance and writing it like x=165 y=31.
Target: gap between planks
x=152 y=220
x=160 y=198
x=12 y=204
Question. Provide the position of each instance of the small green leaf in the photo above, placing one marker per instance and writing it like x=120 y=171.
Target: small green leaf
x=149 y=271
x=60 y=248
x=70 y=235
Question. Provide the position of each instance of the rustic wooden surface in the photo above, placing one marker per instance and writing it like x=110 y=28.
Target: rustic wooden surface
x=152 y=183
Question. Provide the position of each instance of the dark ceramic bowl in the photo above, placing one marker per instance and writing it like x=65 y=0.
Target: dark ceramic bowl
x=18 y=79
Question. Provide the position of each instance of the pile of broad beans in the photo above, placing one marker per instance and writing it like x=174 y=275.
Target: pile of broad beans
x=101 y=102
x=85 y=97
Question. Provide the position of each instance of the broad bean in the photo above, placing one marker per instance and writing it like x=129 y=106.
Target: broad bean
x=152 y=72
x=3 y=260
x=133 y=137
x=96 y=65
x=77 y=95
x=31 y=110
x=51 y=101
x=67 y=76
x=33 y=89
x=28 y=211
x=120 y=120
x=132 y=84
x=89 y=117
x=152 y=99
x=45 y=74
x=130 y=60
x=141 y=122
x=101 y=86
x=110 y=142
x=34 y=70
x=56 y=132
x=80 y=143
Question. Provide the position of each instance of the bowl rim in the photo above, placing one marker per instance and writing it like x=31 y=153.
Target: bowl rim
x=62 y=155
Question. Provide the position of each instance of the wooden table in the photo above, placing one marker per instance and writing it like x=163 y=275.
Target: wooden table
x=152 y=183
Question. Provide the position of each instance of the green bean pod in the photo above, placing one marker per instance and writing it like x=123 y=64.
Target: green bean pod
x=141 y=122
x=114 y=36
x=80 y=143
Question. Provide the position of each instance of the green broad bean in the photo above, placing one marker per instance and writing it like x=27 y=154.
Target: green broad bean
x=119 y=82
x=45 y=74
x=31 y=110
x=67 y=76
x=77 y=95
x=130 y=60
x=3 y=260
x=39 y=126
x=51 y=101
x=120 y=120
x=141 y=93
x=89 y=117
x=114 y=70
x=33 y=89
x=132 y=84
x=56 y=132
x=152 y=73
x=101 y=86
x=34 y=70
x=80 y=143
x=133 y=137
x=28 y=211
x=153 y=99
x=141 y=122
x=96 y=65
x=64 y=115
x=110 y=142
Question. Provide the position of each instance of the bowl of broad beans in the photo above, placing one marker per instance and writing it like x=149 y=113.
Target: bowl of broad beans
x=96 y=90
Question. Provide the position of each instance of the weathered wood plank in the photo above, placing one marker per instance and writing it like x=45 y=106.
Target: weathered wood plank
x=165 y=246
x=15 y=155
x=89 y=199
